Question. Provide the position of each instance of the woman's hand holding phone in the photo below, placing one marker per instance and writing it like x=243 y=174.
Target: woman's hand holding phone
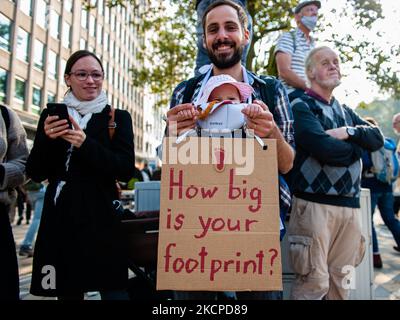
x=75 y=136
x=54 y=128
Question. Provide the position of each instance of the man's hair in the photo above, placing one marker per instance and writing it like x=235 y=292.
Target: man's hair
x=396 y=118
x=309 y=63
x=239 y=9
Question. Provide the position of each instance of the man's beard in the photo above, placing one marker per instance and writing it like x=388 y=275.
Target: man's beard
x=329 y=84
x=223 y=61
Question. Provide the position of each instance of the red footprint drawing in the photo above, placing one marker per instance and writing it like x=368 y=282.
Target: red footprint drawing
x=220 y=156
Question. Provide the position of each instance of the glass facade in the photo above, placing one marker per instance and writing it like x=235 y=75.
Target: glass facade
x=26 y=7
x=41 y=13
x=20 y=90
x=3 y=84
x=54 y=24
x=66 y=36
x=5 y=32
x=52 y=64
x=38 y=59
x=36 y=100
x=23 y=45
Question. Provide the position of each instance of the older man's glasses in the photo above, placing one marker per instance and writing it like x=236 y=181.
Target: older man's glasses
x=83 y=75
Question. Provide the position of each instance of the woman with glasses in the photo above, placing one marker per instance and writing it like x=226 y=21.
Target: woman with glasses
x=79 y=247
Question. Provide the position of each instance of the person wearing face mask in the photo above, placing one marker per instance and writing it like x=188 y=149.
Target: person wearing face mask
x=293 y=47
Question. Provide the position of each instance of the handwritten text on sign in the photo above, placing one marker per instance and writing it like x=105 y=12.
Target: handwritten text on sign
x=220 y=231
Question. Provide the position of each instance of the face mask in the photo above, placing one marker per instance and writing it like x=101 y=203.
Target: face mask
x=309 y=22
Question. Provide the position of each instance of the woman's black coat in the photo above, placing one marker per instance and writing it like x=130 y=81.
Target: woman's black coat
x=79 y=238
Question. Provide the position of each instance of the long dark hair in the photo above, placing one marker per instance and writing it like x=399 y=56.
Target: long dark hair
x=78 y=55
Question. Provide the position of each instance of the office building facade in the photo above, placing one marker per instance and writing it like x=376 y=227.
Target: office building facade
x=38 y=36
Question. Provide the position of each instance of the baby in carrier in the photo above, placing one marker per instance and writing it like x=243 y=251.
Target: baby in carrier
x=223 y=104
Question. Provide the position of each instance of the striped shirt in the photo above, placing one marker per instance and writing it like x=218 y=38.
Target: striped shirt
x=285 y=44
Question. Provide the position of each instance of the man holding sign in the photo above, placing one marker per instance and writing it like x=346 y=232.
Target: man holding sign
x=225 y=36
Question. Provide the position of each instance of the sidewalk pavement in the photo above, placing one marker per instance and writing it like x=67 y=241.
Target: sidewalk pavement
x=387 y=279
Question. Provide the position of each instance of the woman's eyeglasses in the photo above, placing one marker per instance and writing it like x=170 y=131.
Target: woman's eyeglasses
x=83 y=75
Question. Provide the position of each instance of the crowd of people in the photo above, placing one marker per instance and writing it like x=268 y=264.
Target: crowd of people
x=325 y=153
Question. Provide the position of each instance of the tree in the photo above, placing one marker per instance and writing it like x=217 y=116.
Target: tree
x=382 y=111
x=170 y=31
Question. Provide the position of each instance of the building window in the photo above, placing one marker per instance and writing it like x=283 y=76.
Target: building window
x=52 y=64
x=5 y=31
x=107 y=14
x=92 y=26
x=82 y=44
x=36 y=100
x=63 y=65
x=99 y=34
x=100 y=5
x=112 y=21
x=118 y=29
x=26 y=7
x=110 y=74
x=105 y=67
x=41 y=13
x=84 y=18
x=68 y=5
x=22 y=45
x=66 y=35
x=51 y=97
x=20 y=90
x=38 y=59
x=106 y=37
x=54 y=24
x=3 y=85
x=111 y=49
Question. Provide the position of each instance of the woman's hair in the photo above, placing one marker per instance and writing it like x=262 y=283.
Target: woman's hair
x=371 y=121
x=78 y=55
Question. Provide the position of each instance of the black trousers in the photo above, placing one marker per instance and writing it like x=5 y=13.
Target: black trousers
x=9 y=278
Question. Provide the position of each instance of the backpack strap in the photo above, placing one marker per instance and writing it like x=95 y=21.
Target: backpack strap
x=267 y=92
x=5 y=115
x=111 y=123
x=111 y=131
x=190 y=88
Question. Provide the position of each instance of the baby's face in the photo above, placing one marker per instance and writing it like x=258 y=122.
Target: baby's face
x=225 y=92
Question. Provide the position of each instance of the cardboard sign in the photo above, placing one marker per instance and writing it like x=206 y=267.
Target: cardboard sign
x=219 y=231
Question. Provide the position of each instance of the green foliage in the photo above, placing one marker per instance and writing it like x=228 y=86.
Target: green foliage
x=364 y=53
x=382 y=112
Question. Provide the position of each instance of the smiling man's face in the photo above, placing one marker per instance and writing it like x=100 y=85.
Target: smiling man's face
x=224 y=37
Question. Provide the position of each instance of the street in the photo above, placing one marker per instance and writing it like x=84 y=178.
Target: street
x=387 y=279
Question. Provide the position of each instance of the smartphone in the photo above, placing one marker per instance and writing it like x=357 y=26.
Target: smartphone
x=60 y=110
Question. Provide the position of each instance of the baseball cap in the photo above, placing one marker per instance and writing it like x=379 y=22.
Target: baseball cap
x=245 y=90
x=303 y=4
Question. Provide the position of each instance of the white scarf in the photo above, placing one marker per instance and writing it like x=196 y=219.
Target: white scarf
x=82 y=112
